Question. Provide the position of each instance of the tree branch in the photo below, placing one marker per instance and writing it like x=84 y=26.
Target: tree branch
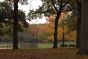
x=65 y=4
x=54 y=5
x=61 y=3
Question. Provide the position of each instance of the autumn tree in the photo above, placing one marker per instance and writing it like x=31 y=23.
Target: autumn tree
x=14 y=4
x=58 y=6
x=68 y=24
x=67 y=20
x=15 y=25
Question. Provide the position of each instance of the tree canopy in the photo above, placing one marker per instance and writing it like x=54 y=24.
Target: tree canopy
x=6 y=16
x=50 y=7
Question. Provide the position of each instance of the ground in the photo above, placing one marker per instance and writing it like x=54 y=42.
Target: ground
x=60 y=53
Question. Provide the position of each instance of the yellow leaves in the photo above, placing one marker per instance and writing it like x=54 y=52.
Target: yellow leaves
x=51 y=19
x=71 y=36
x=53 y=12
x=51 y=37
x=68 y=36
x=47 y=30
x=60 y=33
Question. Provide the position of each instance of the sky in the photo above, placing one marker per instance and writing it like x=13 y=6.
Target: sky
x=1 y=0
x=32 y=4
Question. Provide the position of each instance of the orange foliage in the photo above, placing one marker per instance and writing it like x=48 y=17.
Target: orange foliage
x=40 y=29
x=68 y=36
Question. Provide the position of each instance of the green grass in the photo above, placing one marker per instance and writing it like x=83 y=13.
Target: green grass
x=5 y=46
x=26 y=46
x=46 y=45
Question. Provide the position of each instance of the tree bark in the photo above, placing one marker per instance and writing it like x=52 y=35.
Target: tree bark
x=15 y=26
x=55 y=43
x=78 y=23
x=83 y=49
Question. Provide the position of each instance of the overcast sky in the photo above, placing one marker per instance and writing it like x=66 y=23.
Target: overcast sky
x=1 y=0
x=32 y=4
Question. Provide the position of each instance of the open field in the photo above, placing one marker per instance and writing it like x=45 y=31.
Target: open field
x=26 y=45
x=61 y=53
x=23 y=45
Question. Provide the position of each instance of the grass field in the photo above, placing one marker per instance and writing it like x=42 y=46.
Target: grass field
x=27 y=45
x=61 y=53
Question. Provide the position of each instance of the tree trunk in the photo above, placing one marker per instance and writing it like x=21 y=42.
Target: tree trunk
x=84 y=28
x=55 y=43
x=15 y=26
x=78 y=23
x=63 y=39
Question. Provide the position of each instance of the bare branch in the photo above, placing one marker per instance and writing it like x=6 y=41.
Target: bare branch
x=61 y=3
x=65 y=4
x=54 y=5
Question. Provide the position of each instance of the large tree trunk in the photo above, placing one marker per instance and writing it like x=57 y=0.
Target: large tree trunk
x=78 y=23
x=84 y=28
x=15 y=25
x=55 y=43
